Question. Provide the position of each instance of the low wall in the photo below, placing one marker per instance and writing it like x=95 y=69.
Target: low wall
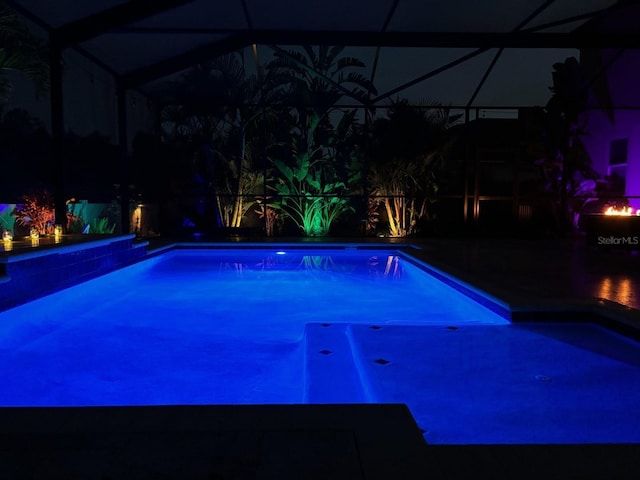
x=30 y=273
x=613 y=231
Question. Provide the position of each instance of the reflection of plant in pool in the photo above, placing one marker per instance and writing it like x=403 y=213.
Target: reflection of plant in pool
x=317 y=262
x=390 y=265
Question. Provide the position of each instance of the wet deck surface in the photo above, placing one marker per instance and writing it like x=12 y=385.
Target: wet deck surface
x=559 y=270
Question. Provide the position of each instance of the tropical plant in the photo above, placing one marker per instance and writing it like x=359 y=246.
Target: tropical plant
x=566 y=157
x=101 y=226
x=227 y=134
x=407 y=148
x=237 y=185
x=268 y=214
x=236 y=140
x=7 y=218
x=84 y=217
x=36 y=211
x=20 y=51
x=313 y=185
x=309 y=200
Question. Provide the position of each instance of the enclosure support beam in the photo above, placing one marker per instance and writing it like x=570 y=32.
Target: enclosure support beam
x=125 y=215
x=94 y=25
x=185 y=60
x=465 y=168
x=58 y=164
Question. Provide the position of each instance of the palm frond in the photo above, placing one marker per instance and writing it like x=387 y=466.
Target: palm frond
x=312 y=55
x=334 y=52
x=22 y=51
x=348 y=62
x=361 y=81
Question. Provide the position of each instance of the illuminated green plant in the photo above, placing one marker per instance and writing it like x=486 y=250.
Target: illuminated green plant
x=101 y=226
x=313 y=168
x=312 y=205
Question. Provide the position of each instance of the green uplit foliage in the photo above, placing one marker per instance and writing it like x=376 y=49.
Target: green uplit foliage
x=315 y=167
x=85 y=217
x=311 y=203
x=101 y=226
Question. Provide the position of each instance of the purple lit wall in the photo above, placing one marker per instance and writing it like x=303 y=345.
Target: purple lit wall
x=633 y=167
x=618 y=87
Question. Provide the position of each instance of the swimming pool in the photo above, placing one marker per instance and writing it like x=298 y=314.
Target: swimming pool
x=268 y=326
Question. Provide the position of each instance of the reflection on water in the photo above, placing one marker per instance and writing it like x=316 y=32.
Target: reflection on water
x=317 y=262
x=616 y=290
x=379 y=265
x=299 y=287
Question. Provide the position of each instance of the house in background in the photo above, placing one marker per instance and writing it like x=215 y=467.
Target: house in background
x=612 y=120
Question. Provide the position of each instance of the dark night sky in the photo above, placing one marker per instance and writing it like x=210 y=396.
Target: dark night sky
x=521 y=77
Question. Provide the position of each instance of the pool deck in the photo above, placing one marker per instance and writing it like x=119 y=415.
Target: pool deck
x=541 y=272
x=344 y=441
x=546 y=276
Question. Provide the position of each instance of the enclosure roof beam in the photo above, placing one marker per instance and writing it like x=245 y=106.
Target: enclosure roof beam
x=387 y=21
x=482 y=41
x=94 y=25
x=185 y=60
x=521 y=39
x=497 y=55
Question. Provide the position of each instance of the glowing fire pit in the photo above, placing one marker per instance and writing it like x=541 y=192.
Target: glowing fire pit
x=616 y=227
x=624 y=211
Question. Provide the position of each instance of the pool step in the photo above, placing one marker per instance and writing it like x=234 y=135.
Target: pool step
x=330 y=374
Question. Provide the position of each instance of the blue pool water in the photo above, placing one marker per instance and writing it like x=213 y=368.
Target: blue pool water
x=240 y=326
